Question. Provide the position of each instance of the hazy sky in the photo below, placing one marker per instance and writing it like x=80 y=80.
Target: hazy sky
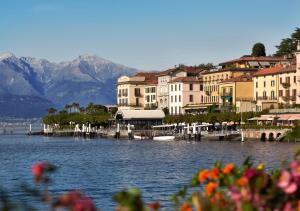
x=145 y=34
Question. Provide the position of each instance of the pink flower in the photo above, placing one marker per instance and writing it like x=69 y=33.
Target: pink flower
x=295 y=167
x=249 y=173
x=38 y=169
x=286 y=183
x=288 y=207
x=284 y=179
x=291 y=188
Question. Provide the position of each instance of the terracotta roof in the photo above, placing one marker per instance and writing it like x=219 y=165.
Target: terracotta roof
x=231 y=70
x=268 y=71
x=150 y=78
x=242 y=78
x=252 y=58
x=186 y=79
x=291 y=68
x=188 y=69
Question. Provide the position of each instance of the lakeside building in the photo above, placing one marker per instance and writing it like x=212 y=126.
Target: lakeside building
x=131 y=91
x=165 y=77
x=237 y=94
x=184 y=94
x=212 y=80
x=246 y=65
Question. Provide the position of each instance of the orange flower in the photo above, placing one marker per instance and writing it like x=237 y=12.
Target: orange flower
x=202 y=176
x=214 y=173
x=210 y=188
x=298 y=206
x=243 y=181
x=228 y=168
x=185 y=207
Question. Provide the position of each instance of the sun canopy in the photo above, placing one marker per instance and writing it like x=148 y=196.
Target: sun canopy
x=140 y=114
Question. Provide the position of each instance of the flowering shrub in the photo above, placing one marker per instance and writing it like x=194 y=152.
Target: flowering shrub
x=223 y=187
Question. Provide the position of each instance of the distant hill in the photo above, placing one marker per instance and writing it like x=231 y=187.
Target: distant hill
x=28 y=86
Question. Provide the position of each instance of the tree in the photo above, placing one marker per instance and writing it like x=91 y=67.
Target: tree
x=52 y=111
x=258 y=50
x=207 y=66
x=288 y=45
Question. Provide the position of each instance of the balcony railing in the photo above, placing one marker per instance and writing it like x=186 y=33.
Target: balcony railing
x=285 y=85
x=226 y=94
x=135 y=105
x=289 y=98
x=266 y=98
x=122 y=104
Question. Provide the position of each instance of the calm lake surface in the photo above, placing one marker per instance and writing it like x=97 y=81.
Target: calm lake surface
x=102 y=167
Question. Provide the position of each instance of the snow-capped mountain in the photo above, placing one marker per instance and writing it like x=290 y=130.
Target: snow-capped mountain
x=87 y=78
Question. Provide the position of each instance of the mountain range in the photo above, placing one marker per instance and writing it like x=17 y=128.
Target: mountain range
x=29 y=86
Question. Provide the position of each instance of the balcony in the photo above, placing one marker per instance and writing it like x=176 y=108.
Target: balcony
x=266 y=98
x=289 y=98
x=226 y=94
x=122 y=104
x=285 y=85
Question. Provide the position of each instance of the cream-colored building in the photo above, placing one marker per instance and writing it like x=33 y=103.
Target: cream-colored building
x=288 y=85
x=266 y=86
x=131 y=91
x=150 y=96
x=236 y=94
x=166 y=76
x=184 y=92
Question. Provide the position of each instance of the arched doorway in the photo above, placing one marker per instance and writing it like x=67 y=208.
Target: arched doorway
x=263 y=137
x=271 y=136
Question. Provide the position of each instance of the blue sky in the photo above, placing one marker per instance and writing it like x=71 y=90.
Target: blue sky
x=145 y=34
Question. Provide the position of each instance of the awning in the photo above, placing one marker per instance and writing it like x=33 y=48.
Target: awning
x=140 y=114
x=264 y=63
x=262 y=118
x=253 y=64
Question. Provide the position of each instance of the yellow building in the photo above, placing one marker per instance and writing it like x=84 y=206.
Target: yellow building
x=212 y=79
x=237 y=94
x=131 y=91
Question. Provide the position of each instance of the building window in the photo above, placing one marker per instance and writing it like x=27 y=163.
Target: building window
x=272 y=83
x=256 y=84
x=137 y=92
x=280 y=93
x=201 y=98
x=295 y=79
x=287 y=93
x=179 y=87
x=179 y=98
x=172 y=88
x=201 y=87
x=171 y=110
x=191 y=98
x=137 y=101
x=179 y=110
x=287 y=80
x=191 y=87
x=264 y=94
x=264 y=84
x=175 y=110
x=256 y=95
x=171 y=99
x=175 y=98
x=272 y=95
x=294 y=92
x=175 y=88
x=280 y=80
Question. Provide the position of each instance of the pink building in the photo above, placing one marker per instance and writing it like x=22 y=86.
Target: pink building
x=185 y=92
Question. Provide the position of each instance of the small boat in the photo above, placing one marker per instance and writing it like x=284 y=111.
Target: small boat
x=139 y=137
x=163 y=138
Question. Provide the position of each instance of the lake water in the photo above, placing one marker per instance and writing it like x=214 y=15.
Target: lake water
x=102 y=167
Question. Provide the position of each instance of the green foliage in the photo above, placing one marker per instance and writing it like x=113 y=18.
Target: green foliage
x=131 y=199
x=288 y=45
x=206 y=66
x=258 y=49
x=295 y=134
x=93 y=113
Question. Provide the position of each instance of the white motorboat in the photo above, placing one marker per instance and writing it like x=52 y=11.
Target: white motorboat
x=139 y=137
x=164 y=138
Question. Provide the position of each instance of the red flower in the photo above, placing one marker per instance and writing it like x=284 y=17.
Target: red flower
x=249 y=173
x=84 y=204
x=38 y=169
x=154 y=205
